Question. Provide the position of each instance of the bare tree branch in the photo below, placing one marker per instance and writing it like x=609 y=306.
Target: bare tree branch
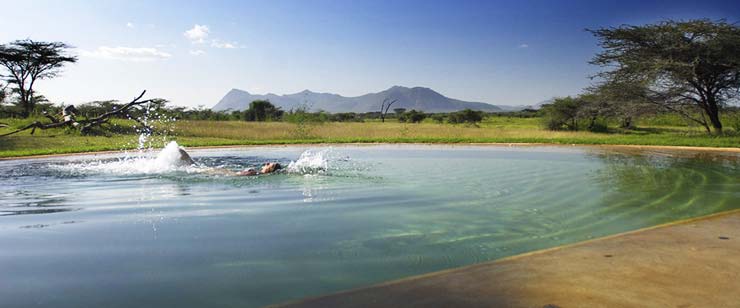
x=387 y=105
x=87 y=124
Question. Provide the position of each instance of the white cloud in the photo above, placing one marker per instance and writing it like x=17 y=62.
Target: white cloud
x=197 y=52
x=228 y=45
x=130 y=25
x=126 y=53
x=523 y=46
x=198 y=34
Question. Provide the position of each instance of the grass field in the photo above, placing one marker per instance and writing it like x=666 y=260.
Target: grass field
x=215 y=133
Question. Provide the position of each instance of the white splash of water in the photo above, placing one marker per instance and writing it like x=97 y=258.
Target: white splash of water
x=166 y=160
x=171 y=156
x=311 y=162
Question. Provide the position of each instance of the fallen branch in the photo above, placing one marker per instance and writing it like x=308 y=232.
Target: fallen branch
x=84 y=125
x=48 y=116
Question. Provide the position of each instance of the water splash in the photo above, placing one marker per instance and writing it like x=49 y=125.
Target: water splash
x=169 y=159
x=328 y=162
x=155 y=127
x=145 y=160
x=311 y=162
x=172 y=155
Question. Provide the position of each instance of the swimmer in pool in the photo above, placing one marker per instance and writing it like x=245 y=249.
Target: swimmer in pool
x=266 y=168
x=185 y=159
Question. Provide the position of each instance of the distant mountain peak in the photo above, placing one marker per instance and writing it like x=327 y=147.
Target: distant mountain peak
x=237 y=90
x=418 y=98
x=410 y=89
x=398 y=88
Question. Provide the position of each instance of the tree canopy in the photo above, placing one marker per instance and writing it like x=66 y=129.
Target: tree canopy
x=690 y=67
x=466 y=116
x=262 y=110
x=411 y=116
x=27 y=61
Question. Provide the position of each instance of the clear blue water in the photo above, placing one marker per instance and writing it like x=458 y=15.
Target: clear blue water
x=98 y=231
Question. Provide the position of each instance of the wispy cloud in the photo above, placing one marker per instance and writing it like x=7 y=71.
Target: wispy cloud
x=135 y=54
x=130 y=25
x=221 y=44
x=198 y=34
x=523 y=46
x=197 y=52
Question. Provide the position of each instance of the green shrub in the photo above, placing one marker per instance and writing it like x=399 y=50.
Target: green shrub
x=412 y=116
x=465 y=116
x=561 y=114
x=735 y=122
x=598 y=126
x=438 y=118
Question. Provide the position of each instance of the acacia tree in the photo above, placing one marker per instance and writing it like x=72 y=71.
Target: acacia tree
x=689 y=67
x=27 y=61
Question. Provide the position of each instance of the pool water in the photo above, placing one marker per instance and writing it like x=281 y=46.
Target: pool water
x=133 y=230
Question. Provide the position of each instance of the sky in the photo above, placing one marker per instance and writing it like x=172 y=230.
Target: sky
x=193 y=52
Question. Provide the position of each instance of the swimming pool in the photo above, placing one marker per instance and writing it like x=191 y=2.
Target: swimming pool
x=120 y=231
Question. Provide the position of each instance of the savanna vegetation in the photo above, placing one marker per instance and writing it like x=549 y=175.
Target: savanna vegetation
x=687 y=68
x=671 y=83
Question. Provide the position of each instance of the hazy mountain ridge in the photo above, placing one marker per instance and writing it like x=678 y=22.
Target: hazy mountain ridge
x=419 y=98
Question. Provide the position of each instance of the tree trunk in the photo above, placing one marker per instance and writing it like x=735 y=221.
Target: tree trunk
x=592 y=123
x=627 y=122
x=25 y=106
x=29 y=104
x=716 y=123
x=712 y=111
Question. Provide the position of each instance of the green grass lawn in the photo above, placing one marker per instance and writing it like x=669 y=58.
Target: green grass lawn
x=215 y=133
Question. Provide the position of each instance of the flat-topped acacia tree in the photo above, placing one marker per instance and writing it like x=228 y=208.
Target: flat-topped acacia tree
x=689 y=67
x=27 y=61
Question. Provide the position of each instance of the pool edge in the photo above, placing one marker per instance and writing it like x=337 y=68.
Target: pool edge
x=469 y=268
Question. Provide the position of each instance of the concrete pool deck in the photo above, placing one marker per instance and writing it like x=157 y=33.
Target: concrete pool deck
x=692 y=263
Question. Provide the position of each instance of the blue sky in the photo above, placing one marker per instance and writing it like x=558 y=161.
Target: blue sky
x=193 y=52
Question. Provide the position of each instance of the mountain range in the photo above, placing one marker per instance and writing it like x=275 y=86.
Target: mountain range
x=419 y=98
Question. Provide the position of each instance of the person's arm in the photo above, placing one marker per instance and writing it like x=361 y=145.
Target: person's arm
x=185 y=157
x=247 y=172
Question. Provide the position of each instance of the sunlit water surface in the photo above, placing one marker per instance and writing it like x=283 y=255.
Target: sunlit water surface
x=110 y=231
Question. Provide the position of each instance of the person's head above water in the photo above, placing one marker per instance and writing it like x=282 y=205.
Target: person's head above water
x=266 y=168
x=270 y=167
